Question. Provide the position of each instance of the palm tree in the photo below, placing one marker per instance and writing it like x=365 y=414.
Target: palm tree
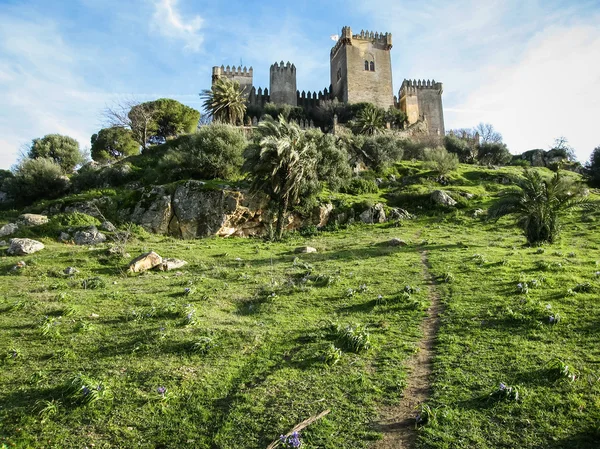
x=538 y=203
x=370 y=120
x=225 y=101
x=281 y=163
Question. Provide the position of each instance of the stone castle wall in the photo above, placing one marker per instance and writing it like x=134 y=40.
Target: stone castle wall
x=422 y=100
x=283 y=83
x=242 y=75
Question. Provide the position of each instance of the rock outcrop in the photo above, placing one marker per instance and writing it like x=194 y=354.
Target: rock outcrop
x=145 y=262
x=88 y=236
x=375 y=214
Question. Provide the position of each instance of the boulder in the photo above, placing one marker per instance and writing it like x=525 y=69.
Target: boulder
x=89 y=236
x=442 y=198
x=378 y=181
x=401 y=214
x=8 y=229
x=3 y=243
x=145 y=262
x=70 y=271
x=108 y=226
x=154 y=211
x=305 y=250
x=64 y=237
x=477 y=213
x=396 y=242
x=22 y=247
x=320 y=215
x=32 y=219
x=375 y=214
x=169 y=264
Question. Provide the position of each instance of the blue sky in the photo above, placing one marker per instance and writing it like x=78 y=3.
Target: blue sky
x=529 y=67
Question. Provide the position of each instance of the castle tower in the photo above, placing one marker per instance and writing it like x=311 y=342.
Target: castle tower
x=283 y=83
x=243 y=76
x=422 y=100
x=361 y=68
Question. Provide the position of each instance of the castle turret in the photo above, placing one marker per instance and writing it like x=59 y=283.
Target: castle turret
x=242 y=75
x=361 y=68
x=422 y=100
x=283 y=83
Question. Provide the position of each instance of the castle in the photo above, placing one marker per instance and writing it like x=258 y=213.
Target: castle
x=361 y=71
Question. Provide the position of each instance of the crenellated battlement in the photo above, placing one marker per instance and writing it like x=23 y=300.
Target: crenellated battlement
x=410 y=87
x=231 y=71
x=310 y=100
x=282 y=67
x=382 y=39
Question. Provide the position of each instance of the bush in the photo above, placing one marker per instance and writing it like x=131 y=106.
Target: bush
x=215 y=151
x=332 y=159
x=359 y=186
x=381 y=151
x=465 y=150
x=494 y=154
x=439 y=160
x=90 y=176
x=35 y=179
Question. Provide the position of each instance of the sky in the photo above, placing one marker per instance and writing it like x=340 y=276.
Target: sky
x=530 y=68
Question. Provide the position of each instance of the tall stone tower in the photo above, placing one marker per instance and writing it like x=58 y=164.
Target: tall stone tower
x=283 y=83
x=422 y=100
x=361 y=68
x=243 y=76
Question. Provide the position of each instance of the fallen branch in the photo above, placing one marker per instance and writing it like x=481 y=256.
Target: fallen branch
x=299 y=427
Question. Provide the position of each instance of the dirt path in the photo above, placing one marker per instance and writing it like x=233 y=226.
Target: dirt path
x=398 y=423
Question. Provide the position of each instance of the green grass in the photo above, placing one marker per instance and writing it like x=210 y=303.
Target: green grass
x=250 y=338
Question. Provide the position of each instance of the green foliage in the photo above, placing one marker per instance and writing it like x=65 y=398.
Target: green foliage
x=287 y=111
x=538 y=204
x=396 y=117
x=90 y=176
x=360 y=186
x=281 y=163
x=382 y=150
x=493 y=154
x=594 y=168
x=370 y=120
x=440 y=160
x=353 y=337
x=111 y=144
x=465 y=149
x=332 y=159
x=225 y=101
x=215 y=151
x=173 y=118
x=63 y=150
x=36 y=179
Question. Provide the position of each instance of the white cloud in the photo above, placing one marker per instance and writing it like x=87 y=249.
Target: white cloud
x=169 y=22
x=526 y=67
x=40 y=89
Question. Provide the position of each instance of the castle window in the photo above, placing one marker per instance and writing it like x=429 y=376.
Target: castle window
x=339 y=74
x=367 y=66
x=372 y=66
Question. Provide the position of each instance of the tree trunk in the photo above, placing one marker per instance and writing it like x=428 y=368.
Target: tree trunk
x=280 y=216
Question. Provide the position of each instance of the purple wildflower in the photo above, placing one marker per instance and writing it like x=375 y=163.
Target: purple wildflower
x=294 y=440
x=85 y=390
x=161 y=390
x=502 y=387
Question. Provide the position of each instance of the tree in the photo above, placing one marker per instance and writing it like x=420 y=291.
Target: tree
x=112 y=144
x=280 y=163
x=561 y=148
x=396 y=117
x=332 y=159
x=493 y=154
x=379 y=151
x=538 y=203
x=173 y=118
x=153 y=121
x=594 y=167
x=225 y=101
x=487 y=134
x=370 y=120
x=63 y=150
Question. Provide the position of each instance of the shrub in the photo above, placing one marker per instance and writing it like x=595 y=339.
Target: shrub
x=381 y=151
x=215 y=151
x=439 y=160
x=465 y=150
x=359 y=186
x=332 y=159
x=494 y=154
x=36 y=179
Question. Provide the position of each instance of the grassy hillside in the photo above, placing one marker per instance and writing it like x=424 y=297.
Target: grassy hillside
x=251 y=338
